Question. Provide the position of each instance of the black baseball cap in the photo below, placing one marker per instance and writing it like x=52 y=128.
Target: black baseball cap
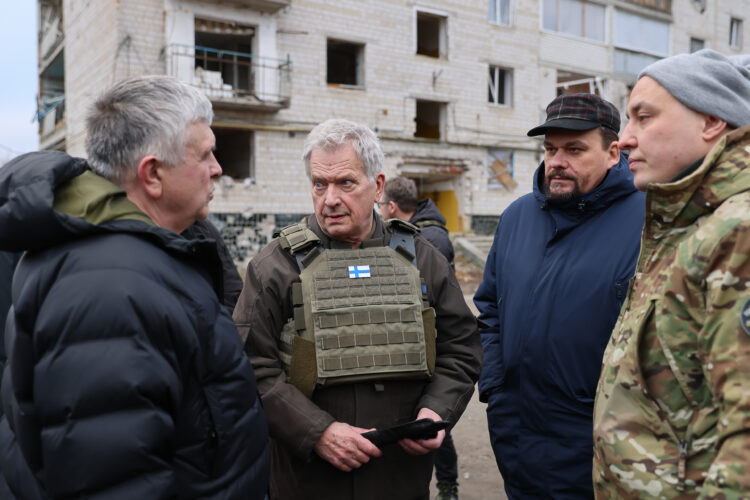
x=579 y=112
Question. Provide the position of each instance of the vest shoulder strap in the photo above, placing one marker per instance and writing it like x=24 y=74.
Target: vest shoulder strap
x=402 y=238
x=297 y=238
x=301 y=243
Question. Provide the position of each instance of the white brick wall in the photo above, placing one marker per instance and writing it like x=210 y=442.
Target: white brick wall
x=107 y=40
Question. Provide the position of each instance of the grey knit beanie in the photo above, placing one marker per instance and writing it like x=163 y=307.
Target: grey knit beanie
x=707 y=82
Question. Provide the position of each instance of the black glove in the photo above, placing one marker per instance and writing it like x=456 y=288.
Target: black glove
x=424 y=428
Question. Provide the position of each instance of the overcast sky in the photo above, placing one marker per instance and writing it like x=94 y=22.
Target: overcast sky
x=19 y=79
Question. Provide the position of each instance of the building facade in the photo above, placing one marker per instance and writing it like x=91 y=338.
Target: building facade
x=450 y=86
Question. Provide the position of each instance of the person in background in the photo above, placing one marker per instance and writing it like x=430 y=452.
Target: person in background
x=353 y=324
x=555 y=279
x=232 y=282
x=126 y=377
x=672 y=413
x=400 y=202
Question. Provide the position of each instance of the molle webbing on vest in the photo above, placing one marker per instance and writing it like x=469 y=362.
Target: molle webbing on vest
x=301 y=242
x=367 y=326
x=360 y=329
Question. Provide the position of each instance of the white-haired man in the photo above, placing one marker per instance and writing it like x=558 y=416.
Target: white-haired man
x=126 y=377
x=339 y=316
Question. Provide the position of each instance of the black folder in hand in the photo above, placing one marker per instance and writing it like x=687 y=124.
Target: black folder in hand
x=424 y=428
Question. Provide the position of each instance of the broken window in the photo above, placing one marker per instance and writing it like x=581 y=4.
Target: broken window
x=223 y=57
x=500 y=169
x=499 y=81
x=573 y=83
x=430 y=119
x=345 y=63
x=639 y=41
x=574 y=17
x=735 y=33
x=431 y=35
x=234 y=152
x=499 y=12
x=696 y=44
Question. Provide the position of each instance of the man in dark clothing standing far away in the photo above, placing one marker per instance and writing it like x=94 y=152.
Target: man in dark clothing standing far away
x=126 y=376
x=400 y=202
x=555 y=279
x=354 y=324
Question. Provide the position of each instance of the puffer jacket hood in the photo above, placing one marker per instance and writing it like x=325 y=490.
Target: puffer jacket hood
x=617 y=183
x=427 y=210
x=48 y=198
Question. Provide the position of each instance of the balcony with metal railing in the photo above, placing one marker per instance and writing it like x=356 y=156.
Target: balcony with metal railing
x=662 y=5
x=51 y=117
x=231 y=79
x=262 y=5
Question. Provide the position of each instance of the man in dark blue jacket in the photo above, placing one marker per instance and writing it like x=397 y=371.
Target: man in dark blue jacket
x=126 y=377
x=553 y=285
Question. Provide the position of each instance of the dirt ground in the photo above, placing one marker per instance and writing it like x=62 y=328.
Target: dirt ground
x=478 y=476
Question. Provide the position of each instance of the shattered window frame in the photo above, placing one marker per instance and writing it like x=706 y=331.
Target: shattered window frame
x=500 y=169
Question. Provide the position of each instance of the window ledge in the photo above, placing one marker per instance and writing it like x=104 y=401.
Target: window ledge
x=432 y=58
x=571 y=36
x=345 y=86
x=501 y=25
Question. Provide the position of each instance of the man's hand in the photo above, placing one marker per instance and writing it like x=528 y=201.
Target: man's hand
x=422 y=446
x=343 y=446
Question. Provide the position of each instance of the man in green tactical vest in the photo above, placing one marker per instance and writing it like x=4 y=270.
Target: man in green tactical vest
x=672 y=410
x=400 y=201
x=352 y=324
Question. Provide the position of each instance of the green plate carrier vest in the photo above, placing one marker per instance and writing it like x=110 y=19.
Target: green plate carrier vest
x=359 y=314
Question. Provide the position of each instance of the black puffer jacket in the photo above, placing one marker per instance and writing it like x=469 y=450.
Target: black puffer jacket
x=126 y=376
x=204 y=230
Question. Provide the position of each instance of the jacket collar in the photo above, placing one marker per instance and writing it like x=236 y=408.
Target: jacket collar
x=38 y=211
x=566 y=216
x=617 y=183
x=328 y=242
x=723 y=173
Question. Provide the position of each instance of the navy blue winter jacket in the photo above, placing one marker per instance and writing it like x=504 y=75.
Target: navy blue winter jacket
x=126 y=377
x=555 y=280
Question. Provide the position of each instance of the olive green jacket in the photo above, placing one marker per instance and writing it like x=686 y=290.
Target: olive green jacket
x=672 y=411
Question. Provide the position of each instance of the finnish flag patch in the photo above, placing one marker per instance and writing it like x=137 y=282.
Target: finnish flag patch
x=359 y=271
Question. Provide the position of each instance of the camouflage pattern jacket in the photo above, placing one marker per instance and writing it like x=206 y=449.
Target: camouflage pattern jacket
x=672 y=411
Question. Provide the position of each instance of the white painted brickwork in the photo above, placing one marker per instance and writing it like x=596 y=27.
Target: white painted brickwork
x=106 y=40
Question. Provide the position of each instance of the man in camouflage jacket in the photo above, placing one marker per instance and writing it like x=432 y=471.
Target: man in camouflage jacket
x=672 y=411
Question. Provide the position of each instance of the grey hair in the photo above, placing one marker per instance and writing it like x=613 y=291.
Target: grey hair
x=146 y=115
x=333 y=133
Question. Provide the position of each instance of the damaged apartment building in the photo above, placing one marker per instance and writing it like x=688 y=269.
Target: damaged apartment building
x=450 y=86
